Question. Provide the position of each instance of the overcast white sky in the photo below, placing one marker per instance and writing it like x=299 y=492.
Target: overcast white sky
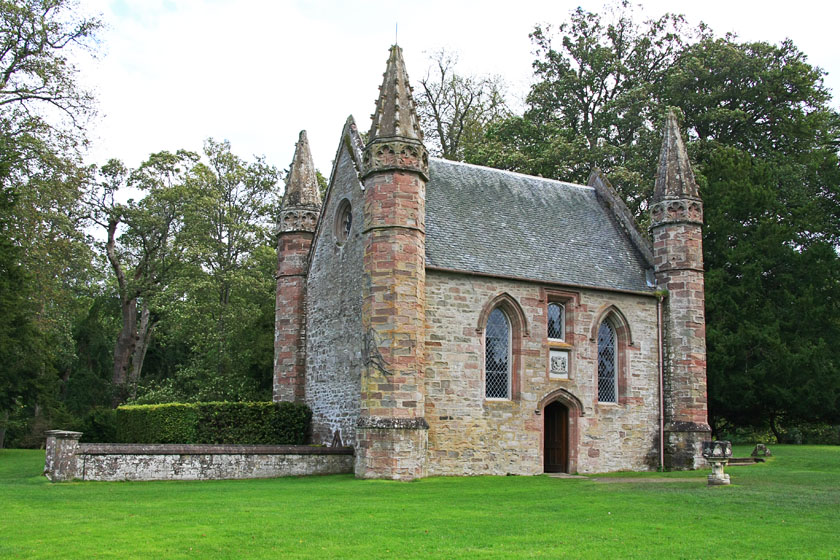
x=174 y=72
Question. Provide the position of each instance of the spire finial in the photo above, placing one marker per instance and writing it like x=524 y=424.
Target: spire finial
x=675 y=178
x=395 y=114
x=302 y=183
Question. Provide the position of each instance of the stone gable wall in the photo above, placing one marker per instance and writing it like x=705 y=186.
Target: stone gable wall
x=469 y=435
x=334 y=315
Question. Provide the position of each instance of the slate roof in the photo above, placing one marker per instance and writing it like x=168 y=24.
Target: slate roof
x=496 y=222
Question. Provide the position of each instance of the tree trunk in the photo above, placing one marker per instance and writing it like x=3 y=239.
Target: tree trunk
x=144 y=337
x=65 y=380
x=124 y=350
x=224 y=298
x=4 y=420
x=127 y=339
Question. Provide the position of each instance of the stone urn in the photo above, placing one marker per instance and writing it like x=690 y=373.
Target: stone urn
x=717 y=454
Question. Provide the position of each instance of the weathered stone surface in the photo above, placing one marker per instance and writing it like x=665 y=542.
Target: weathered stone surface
x=379 y=423
x=60 y=458
x=297 y=220
x=393 y=285
x=112 y=462
x=335 y=338
x=761 y=450
x=392 y=453
x=675 y=179
x=717 y=454
x=717 y=448
x=302 y=186
x=395 y=114
x=290 y=316
x=676 y=218
x=296 y=225
x=469 y=435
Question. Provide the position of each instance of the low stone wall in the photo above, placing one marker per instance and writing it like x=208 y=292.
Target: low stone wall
x=67 y=459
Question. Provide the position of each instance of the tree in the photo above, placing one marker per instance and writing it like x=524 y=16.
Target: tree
x=42 y=114
x=20 y=343
x=143 y=255
x=595 y=102
x=766 y=142
x=226 y=288
x=455 y=110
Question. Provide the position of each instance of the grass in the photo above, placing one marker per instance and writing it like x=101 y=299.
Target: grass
x=786 y=508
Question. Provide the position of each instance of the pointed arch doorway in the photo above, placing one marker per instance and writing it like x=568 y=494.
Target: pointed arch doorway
x=556 y=437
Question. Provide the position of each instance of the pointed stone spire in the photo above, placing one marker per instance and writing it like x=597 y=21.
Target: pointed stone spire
x=676 y=227
x=395 y=114
x=302 y=184
x=302 y=200
x=395 y=142
x=295 y=231
x=675 y=179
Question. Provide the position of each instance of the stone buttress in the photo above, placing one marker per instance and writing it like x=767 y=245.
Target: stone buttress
x=296 y=226
x=676 y=228
x=392 y=433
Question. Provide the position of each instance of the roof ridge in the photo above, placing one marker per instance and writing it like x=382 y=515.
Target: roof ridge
x=514 y=173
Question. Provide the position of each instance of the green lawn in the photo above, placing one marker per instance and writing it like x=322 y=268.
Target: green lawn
x=786 y=508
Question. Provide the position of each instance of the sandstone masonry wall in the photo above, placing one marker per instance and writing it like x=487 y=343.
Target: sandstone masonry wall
x=334 y=338
x=470 y=435
x=289 y=319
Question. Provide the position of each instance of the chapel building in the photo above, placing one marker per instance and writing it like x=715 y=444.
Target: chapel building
x=450 y=319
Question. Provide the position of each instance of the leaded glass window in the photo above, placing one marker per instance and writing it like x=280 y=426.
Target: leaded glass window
x=497 y=356
x=556 y=321
x=607 y=363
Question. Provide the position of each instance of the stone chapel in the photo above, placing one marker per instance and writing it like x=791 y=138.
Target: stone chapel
x=450 y=319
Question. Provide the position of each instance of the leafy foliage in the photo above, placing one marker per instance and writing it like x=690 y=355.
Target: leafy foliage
x=214 y=422
x=46 y=259
x=455 y=110
x=595 y=102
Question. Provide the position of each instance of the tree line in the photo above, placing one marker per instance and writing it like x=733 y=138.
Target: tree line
x=152 y=284
x=156 y=284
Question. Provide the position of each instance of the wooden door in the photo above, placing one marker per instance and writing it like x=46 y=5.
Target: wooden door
x=556 y=438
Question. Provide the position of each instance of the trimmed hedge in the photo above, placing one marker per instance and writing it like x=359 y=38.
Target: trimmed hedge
x=282 y=423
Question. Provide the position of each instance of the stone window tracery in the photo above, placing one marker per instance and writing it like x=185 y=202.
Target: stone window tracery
x=497 y=356
x=556 y=321
x=607 y=363
x=343 y=222
x=560 y=308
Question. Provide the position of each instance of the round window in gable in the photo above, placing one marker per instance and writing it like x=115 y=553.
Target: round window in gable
x=343 y=222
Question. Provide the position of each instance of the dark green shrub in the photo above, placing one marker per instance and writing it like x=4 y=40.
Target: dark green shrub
x=99 y=426
x=214 y=422
x=157 y=423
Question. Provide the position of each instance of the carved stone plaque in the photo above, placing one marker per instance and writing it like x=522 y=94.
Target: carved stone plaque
x=559 y=364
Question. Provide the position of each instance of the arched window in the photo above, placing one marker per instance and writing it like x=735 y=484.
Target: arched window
x=607 y=363
x=556 y=321
x=497 y=356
